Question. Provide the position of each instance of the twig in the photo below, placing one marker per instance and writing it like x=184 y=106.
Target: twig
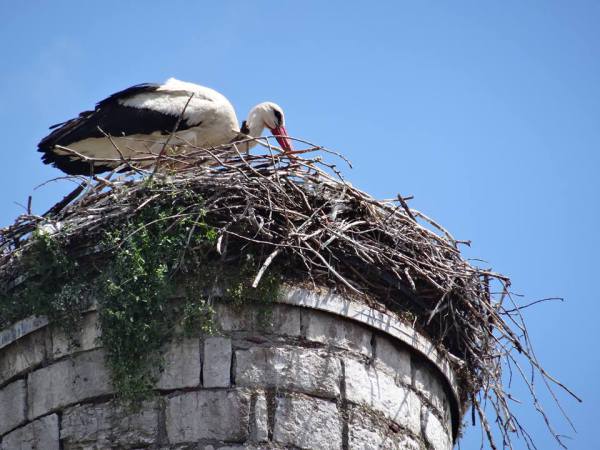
x=264 y=267
x=65 y=201
x=175 y=128
x=406 y=208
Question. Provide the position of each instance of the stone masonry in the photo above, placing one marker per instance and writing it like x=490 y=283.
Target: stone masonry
x=295 y=377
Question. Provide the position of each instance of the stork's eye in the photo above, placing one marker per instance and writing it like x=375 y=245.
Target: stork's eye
x=278 y=117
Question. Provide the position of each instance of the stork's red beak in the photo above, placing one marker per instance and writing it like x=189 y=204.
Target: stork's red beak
x=282 y=137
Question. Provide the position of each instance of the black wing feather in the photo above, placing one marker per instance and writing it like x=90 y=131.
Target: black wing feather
x=109 y=117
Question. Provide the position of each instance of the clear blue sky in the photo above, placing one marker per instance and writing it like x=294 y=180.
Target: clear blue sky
x=487 y=112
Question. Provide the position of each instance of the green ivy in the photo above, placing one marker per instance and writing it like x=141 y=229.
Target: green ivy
x=52 y=285
x=151 y=287
x=135 y=319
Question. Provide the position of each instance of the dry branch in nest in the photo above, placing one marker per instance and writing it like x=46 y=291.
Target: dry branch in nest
x=300 y=214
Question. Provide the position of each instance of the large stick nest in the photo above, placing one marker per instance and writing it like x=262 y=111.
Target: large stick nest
x=304 y=217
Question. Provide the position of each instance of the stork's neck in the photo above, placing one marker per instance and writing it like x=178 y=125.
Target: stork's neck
x=256 y=121
x=255 y=129
x=254 y=125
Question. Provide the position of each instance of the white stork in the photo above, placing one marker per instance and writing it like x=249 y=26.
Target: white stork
x=139 y=120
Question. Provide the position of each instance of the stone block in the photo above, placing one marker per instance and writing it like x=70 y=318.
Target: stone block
x=107 y=425
x=260 y=427
x=368 y=432
x=307 y=423
x=182 y=365
x=291 y=368
x=217 y=362
x=41 y=434
x=336 y=331
x=12 y=406
x=22 y=355
x=21 y=328
x=273 y=319
x=66 y=382
x=366 y=385
x=426 y=380
x=394 y=359
x=220 y=415
x=435 y=434
x=243 y=447
x=86 y=338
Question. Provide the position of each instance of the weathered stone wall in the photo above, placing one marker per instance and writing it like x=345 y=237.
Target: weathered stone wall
x=293 y=377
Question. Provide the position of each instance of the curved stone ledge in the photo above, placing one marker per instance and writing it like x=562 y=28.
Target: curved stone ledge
x=315 y=371
x=20 y=329
x=382 y=321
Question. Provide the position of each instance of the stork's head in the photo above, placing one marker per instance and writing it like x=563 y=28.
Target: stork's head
x=269 y=115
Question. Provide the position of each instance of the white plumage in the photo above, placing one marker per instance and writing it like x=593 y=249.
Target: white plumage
x=139 y=120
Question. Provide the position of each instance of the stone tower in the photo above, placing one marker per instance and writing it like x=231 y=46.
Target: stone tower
x=320 y=371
